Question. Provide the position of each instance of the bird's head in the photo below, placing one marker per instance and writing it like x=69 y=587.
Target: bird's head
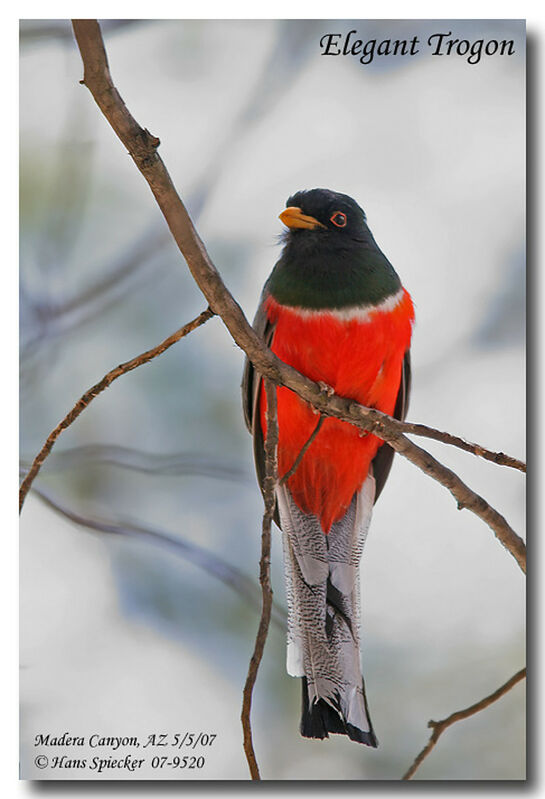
x=331 y=217
x=330 y=258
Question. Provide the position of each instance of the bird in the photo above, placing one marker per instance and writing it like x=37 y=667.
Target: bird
x=335 y=309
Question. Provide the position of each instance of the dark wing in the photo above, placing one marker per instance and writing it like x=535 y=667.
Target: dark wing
x=251 y=388
x=382 y=462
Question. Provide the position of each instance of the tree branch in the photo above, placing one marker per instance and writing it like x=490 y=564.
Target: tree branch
x=142 y=146
x=500 y=458
x=269 y=498
x=97 y=389
x=209 y=562
x=177 y=463
x=440 y=726
x=464 y=496
x=295 y=465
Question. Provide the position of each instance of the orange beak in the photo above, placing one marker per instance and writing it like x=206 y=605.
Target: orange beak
x=293 y=217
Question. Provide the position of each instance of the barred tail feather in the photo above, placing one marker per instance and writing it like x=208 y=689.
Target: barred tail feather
x=322 y=587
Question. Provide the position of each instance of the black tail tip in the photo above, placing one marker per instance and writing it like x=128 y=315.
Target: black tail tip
x=319 y=719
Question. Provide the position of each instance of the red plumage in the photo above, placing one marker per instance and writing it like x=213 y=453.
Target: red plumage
x=360 y=358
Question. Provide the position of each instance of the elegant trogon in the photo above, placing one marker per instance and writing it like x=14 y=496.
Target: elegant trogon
x=334 y=309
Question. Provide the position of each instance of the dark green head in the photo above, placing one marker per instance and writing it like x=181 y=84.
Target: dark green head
x=330 y=258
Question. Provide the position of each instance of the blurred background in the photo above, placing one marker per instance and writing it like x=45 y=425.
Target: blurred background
x=140 y=539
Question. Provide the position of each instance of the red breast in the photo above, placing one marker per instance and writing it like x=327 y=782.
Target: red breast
x=359 y=354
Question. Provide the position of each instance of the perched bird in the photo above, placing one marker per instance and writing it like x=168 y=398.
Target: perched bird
x=334 y=309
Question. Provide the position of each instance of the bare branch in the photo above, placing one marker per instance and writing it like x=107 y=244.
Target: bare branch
x=142 y=147
x=269 y=497
x=499 y=458
x=464 y=496
x=129 y=271
x=209 y=562
x=31 y=31
x=187 y=463
x=300 y=456
x=98 y=388
x=440 y=726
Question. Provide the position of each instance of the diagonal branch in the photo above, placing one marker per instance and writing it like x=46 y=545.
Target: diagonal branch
x=440 y=726
x=176 y=463
x=285 y=477
x=97 y=389
x=204 y=559
x=142 y=147
x=500 y=458
x=464 y=496
x=269 y=497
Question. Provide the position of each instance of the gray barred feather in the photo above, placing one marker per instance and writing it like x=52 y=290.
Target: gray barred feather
x=322 y=589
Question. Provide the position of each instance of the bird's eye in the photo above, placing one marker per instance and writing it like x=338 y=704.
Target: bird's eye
x=338 y=219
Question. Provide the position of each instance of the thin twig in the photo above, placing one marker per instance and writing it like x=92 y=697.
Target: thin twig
x=142 y=146
x=269 y=497
x=440 y=726
x=500 y=458
x=465 y=497
x=177 y=463
x=304 y=448
x=209 y=562
x=45 y=30
x=98 y=388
